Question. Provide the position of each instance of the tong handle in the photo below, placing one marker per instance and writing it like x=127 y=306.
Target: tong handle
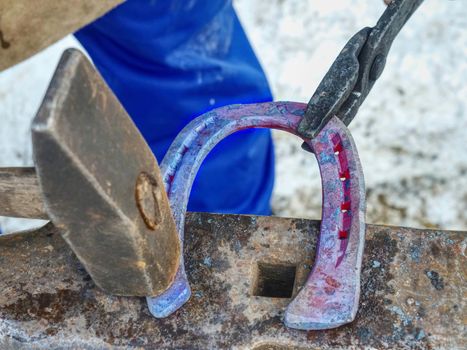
x=355 y=70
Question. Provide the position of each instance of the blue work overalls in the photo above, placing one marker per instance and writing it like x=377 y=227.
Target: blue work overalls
x=169 y=61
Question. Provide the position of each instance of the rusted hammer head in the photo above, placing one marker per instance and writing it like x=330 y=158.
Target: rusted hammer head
x=101 y=183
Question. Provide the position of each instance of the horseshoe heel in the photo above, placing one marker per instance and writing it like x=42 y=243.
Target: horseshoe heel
x=342 y=229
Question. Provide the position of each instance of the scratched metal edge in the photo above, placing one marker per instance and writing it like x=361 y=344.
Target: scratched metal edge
x=413 y=283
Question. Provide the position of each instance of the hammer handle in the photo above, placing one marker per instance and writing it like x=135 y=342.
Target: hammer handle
x=20 y=194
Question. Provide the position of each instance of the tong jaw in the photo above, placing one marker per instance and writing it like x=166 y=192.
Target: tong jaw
x=351 y=77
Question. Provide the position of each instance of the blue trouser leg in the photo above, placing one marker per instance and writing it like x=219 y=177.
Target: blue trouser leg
x=170 y=61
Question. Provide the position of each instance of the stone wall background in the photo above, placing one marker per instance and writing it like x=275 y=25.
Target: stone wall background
x=410 y=131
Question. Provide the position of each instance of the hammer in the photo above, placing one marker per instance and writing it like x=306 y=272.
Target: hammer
x=97 y=180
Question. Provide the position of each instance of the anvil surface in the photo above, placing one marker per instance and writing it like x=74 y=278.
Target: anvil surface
x=413 y=291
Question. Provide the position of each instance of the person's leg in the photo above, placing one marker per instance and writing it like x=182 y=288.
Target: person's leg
x=170 y=61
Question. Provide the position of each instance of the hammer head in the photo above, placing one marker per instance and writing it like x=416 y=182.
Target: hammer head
x=101 y=184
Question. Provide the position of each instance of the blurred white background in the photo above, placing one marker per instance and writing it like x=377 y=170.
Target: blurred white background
x=410 y=131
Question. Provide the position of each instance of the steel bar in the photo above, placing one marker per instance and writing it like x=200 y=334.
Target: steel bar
x=413 y=292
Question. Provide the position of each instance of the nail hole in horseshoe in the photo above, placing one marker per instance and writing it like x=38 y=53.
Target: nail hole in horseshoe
x=344 y=176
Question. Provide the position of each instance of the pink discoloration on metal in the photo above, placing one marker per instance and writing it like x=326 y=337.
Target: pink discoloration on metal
x=330 y=296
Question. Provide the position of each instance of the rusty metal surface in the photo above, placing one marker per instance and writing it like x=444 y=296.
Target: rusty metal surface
x=413 y=291
x=26 y=26
x=101 y=183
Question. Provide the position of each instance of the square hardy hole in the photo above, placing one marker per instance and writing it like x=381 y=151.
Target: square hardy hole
x=274 y=281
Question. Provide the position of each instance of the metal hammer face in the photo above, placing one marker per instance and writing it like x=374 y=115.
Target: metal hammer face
x=102 y=185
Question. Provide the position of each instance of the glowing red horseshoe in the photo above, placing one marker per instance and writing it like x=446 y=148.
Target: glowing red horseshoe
x=331 y=293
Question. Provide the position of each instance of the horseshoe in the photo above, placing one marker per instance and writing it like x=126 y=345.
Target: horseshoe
x=331 y=293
